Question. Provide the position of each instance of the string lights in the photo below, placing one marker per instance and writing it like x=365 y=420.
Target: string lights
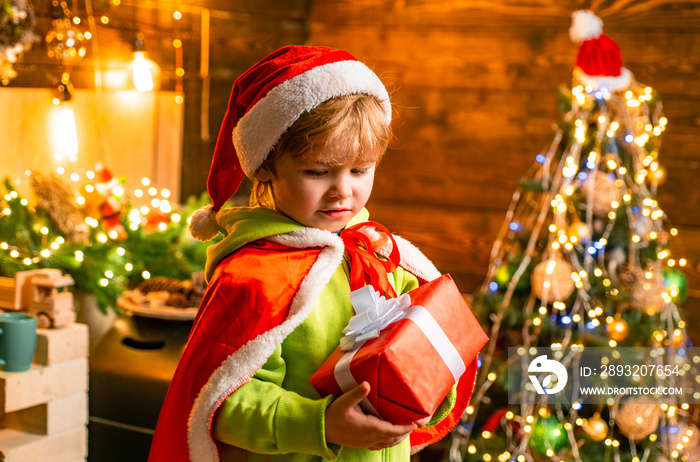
x=113 y=257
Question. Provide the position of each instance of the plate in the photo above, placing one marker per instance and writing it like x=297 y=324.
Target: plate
x=161 y=312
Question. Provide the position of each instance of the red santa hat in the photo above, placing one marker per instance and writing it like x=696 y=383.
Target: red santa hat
x=265 y=101
x=598 y=63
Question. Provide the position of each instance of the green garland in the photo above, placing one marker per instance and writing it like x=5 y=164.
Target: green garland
x=101 y=267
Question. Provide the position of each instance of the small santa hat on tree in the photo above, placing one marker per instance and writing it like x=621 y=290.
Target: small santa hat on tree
x=265 y=101
x=598 y=63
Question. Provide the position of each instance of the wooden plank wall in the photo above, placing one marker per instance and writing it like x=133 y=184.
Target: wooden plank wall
x=474 y=86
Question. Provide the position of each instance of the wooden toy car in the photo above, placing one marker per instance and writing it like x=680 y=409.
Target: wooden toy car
x=42 y=292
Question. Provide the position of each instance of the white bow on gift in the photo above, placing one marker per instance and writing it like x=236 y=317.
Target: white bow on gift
x=374 y=313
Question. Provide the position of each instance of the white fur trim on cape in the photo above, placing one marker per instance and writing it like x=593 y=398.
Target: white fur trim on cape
x=617 y=83
x=585 y=25
x=241 y=365
x=259 y=129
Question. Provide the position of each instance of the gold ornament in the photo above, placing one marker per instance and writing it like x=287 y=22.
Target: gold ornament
x=64 y=42
x=657 y=176
x=642 y=225
x=686 y=435
x=645 y=291
x=596 y=428
x=679 y=340
x=551 y=280
x=637 y=419
x=618 y=329
x=580 y=230
x=601 y=189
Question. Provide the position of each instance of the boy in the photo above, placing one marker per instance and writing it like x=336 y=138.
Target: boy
x=308 y=125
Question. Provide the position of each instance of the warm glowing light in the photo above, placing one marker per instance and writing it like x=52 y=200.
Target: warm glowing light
x=144 y=72
x=177 y=15
x=65 y=135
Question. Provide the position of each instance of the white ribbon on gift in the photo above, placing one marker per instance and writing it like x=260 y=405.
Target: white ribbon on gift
x=375 y=313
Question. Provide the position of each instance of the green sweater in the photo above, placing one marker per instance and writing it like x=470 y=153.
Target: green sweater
x=278 y=415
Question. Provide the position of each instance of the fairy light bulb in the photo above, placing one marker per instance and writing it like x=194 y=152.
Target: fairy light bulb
x=65 y=133
x=143 y=71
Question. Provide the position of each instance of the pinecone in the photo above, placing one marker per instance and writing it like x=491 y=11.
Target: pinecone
x=160 y=283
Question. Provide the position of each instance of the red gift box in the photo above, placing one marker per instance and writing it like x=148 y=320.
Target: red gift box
x=414 y=361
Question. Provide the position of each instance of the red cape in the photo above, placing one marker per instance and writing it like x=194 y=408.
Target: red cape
x=256 y=297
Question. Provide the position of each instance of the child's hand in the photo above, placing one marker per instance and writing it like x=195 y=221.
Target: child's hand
x=423 y=422
x=347 y=425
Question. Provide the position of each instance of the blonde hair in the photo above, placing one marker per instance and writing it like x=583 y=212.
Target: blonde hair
x=343 y=130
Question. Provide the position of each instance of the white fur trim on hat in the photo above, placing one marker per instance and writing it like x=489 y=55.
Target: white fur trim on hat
x=259 y=129
x=617 y=83
x=203 y=225
x=585 y=25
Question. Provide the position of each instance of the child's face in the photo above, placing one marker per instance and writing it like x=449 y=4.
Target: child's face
x=319 y=195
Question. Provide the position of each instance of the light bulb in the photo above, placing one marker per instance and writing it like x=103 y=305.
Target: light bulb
x=64 y=132
x=144 y=72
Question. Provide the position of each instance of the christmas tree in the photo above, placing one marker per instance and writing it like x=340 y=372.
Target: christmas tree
x=585 y=261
